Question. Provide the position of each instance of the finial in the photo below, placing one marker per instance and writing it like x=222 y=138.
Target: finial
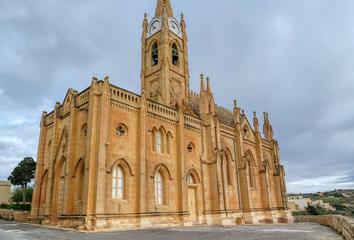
x=182 y=16
x=235 y=104
x=255 y=122
x=145 y=16
x=106 y=78
x=243 y=111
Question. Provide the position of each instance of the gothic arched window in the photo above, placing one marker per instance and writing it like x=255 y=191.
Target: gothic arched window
x=251 y=173
x=118 y=183
x=155 y=54
x=174 y=54
x=158 y=188
x=158 y=142
x=190 y=179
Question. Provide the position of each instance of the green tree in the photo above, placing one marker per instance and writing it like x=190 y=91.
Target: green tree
x=312 y=210
x=23 y=174
x=17 y=195
x=339 y=206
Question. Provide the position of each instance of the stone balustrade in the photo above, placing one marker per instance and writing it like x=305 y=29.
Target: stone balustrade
x=337 y=222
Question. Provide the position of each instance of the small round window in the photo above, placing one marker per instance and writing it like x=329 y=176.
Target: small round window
x=246 y=131
x=121 y=130
x=190 y=147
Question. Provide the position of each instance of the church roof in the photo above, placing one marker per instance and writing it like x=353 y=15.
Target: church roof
x=225 y=116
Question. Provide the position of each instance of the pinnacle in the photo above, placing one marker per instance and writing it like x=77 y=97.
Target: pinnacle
x=202 y=88
x=161 y=4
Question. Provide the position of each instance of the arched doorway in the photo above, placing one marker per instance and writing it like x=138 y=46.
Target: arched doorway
x=192 y=199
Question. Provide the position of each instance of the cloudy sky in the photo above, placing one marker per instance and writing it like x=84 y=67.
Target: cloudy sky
x=291 y=58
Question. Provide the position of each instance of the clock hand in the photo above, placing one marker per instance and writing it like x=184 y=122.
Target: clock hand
x=153 y=27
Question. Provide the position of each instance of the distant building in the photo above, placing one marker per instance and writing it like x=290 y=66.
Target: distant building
x=298 y=203
x=5 y=192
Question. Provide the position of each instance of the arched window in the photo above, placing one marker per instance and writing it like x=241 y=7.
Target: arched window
x=190 y=179
x=155 y=54
x=159 y=141
x=168 y=141
x=174 y=54
x=118 y=183
x=228 y=168
x=158 y=188
x=251 y=173
x=153 y=139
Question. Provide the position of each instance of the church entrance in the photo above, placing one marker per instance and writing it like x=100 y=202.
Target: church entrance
x=192 y=204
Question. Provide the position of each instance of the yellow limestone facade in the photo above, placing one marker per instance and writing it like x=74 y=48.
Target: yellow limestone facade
x=110 y=158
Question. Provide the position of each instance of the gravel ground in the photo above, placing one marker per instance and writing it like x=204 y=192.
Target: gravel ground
x=297 y=231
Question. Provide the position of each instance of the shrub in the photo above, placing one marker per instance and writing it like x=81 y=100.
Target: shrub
x=339 y=206
x=300 y=213
x=313 y=211
x=16 y=206
x=17 y=195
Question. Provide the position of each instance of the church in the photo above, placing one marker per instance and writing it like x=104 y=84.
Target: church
x=112 y=159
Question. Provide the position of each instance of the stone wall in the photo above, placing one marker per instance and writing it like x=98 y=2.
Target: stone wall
x=5 y=191
x=17 y=216
x=7 y=214
x=337 y=222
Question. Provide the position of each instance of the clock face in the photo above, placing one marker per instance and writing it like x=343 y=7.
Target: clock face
x=174 y=27
x=155 y=26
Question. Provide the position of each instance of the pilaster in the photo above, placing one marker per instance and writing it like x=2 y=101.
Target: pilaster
x=71 y=156
x=102 y=145
x=39 y=168
x=142 y=172
x=182 y=183
x=92 y=147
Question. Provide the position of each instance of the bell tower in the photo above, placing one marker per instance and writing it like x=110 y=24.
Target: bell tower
x=164 y=65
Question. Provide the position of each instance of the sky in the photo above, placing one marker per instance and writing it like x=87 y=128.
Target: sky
x=291 y=58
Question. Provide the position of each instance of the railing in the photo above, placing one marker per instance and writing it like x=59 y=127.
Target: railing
x=83 y=97
x=124 y=96
x=162 y=110
x=50 y=118
x=192 y=121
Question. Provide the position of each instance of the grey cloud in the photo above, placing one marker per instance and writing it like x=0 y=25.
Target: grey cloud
x=292 y=59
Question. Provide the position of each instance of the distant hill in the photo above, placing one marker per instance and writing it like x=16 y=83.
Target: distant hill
x=342 y=200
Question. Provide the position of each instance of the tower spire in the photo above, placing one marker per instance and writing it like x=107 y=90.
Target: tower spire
x=163 y=4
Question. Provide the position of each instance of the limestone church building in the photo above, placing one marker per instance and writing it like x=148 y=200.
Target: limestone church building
x=110 y=158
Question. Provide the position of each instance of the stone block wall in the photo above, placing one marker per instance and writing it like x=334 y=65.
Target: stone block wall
x=17 y=216
x=7 y=214
x=337 y=222
x=5 y=192
x=21 y=216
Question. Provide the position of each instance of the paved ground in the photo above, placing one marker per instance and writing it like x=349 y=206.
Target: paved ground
x=298 y=231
